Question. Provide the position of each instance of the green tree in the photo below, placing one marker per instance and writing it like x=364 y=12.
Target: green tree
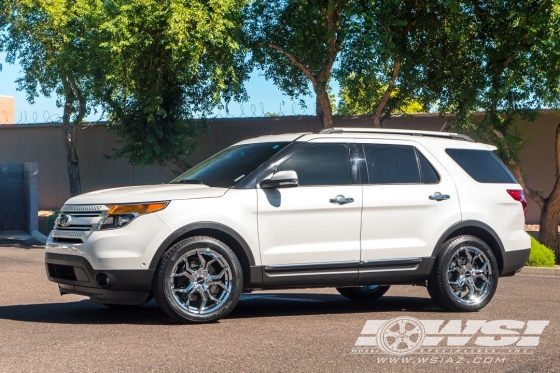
x=510 y=69
x=47 y=40
x=397 y=56
x=296 y=43
x=163 y=63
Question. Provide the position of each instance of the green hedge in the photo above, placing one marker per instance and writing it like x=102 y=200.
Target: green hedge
x=51 y=219
x=541 y=256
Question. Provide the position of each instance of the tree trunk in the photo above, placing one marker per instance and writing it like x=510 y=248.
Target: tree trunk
x=550 y=212
x=550 y=217
x=71 y=128
x=324 y=109
x=71 y=144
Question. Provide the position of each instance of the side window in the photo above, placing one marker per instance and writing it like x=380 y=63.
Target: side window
x=429 y=174
x=391 y=164
x=321 y=164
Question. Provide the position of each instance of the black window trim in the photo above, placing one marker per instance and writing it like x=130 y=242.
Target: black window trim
x=417 y=151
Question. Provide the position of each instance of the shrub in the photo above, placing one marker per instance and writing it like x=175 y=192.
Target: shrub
x=51 y=219
x=541 y=256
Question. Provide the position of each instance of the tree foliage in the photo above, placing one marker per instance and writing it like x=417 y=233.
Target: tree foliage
x=163 y=62
x=296 y=43
x=48 y=39
x=397 y=55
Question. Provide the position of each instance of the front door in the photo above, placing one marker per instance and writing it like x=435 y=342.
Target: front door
x=310 y=234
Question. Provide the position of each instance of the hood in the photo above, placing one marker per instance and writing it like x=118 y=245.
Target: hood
x=147 y=193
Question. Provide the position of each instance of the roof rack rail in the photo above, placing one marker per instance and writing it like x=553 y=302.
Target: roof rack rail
x=447 y=135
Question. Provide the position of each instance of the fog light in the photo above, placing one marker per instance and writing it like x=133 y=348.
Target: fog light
x=102 y=280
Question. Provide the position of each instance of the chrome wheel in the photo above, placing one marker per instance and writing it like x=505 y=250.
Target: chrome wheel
x=200 y=282
x=469 y=275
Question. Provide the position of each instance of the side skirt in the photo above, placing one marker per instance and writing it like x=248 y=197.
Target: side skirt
x=380 y=272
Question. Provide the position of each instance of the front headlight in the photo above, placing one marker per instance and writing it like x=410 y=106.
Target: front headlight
x=119 y=216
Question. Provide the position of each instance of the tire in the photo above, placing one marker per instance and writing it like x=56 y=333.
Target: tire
x=363 y=293
x=464 y=276
x=199 y=279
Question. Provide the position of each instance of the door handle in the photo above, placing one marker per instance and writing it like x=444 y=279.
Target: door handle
x=341 y=200
x=437 y=196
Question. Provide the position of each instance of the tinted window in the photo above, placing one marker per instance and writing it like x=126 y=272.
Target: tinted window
x=429 y=174
x=482 y=165
x=231 y=165
x=321 y=164
x=391 y=164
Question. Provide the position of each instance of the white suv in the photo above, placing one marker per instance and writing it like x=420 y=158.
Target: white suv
x=356 y=209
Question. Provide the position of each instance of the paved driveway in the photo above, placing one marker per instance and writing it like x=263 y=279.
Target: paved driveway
x=309 y=330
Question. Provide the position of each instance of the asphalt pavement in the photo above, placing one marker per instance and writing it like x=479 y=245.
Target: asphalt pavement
x=303 y=330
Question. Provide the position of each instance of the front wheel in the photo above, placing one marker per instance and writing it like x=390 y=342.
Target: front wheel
x=363 y=293
x=198 y=279
x=465 y=275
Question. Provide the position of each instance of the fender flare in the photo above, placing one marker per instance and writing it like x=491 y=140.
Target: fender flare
x=464 y=224
x=173 y=237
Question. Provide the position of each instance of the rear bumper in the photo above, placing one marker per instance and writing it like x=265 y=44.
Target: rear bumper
x=75 y=275
x=514 y=261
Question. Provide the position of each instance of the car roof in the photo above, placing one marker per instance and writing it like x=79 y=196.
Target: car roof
x=427 y=138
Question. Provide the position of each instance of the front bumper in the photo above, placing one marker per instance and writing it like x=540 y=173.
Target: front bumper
x=75 y=275
x=514 y=261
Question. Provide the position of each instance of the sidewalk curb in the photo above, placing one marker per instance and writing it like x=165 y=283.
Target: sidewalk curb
x=39 y=237
x=540 y=271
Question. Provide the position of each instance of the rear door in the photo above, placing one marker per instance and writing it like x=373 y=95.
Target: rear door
x=409 y=201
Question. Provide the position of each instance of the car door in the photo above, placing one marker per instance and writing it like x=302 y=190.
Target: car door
x=310 y=234
x=409 y=201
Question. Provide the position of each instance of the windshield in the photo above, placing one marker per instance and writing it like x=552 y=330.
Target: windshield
x=231 y=165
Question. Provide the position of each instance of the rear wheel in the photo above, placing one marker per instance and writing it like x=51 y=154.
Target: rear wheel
x=199 y=279
x=465 y=275
x=363 y=293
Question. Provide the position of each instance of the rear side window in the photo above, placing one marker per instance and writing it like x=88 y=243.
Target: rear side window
x=482 y=165
x=391 y=164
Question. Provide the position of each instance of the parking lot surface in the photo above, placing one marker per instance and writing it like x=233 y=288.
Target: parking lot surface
x=303 y=330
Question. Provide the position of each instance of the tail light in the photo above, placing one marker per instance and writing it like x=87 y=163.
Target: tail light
x=517 y=194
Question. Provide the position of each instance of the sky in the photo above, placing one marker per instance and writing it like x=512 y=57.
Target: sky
x=263 y=97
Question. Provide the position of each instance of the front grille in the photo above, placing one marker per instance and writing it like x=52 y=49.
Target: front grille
x=62 y=272
x=78 y=222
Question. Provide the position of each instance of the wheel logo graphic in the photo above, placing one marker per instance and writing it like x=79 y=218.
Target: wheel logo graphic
x=401 y=335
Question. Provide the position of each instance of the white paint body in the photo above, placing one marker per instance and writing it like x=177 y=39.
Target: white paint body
x=299 y=225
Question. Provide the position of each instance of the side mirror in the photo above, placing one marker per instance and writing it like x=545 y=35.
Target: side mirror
x=281 y=179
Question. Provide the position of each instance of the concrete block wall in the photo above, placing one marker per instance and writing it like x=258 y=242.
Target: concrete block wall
x=44 y=143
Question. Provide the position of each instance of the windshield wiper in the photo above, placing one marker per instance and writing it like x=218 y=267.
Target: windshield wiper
x=190 y=181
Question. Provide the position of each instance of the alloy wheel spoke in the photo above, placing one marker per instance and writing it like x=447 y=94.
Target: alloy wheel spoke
x=468 y=255
x=219 y=275
x=186 y=290
x=201 y=259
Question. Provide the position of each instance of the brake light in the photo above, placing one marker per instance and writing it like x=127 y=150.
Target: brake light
x=517 y=194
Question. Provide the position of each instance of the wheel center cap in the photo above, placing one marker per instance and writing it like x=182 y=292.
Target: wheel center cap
x=200 y=280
